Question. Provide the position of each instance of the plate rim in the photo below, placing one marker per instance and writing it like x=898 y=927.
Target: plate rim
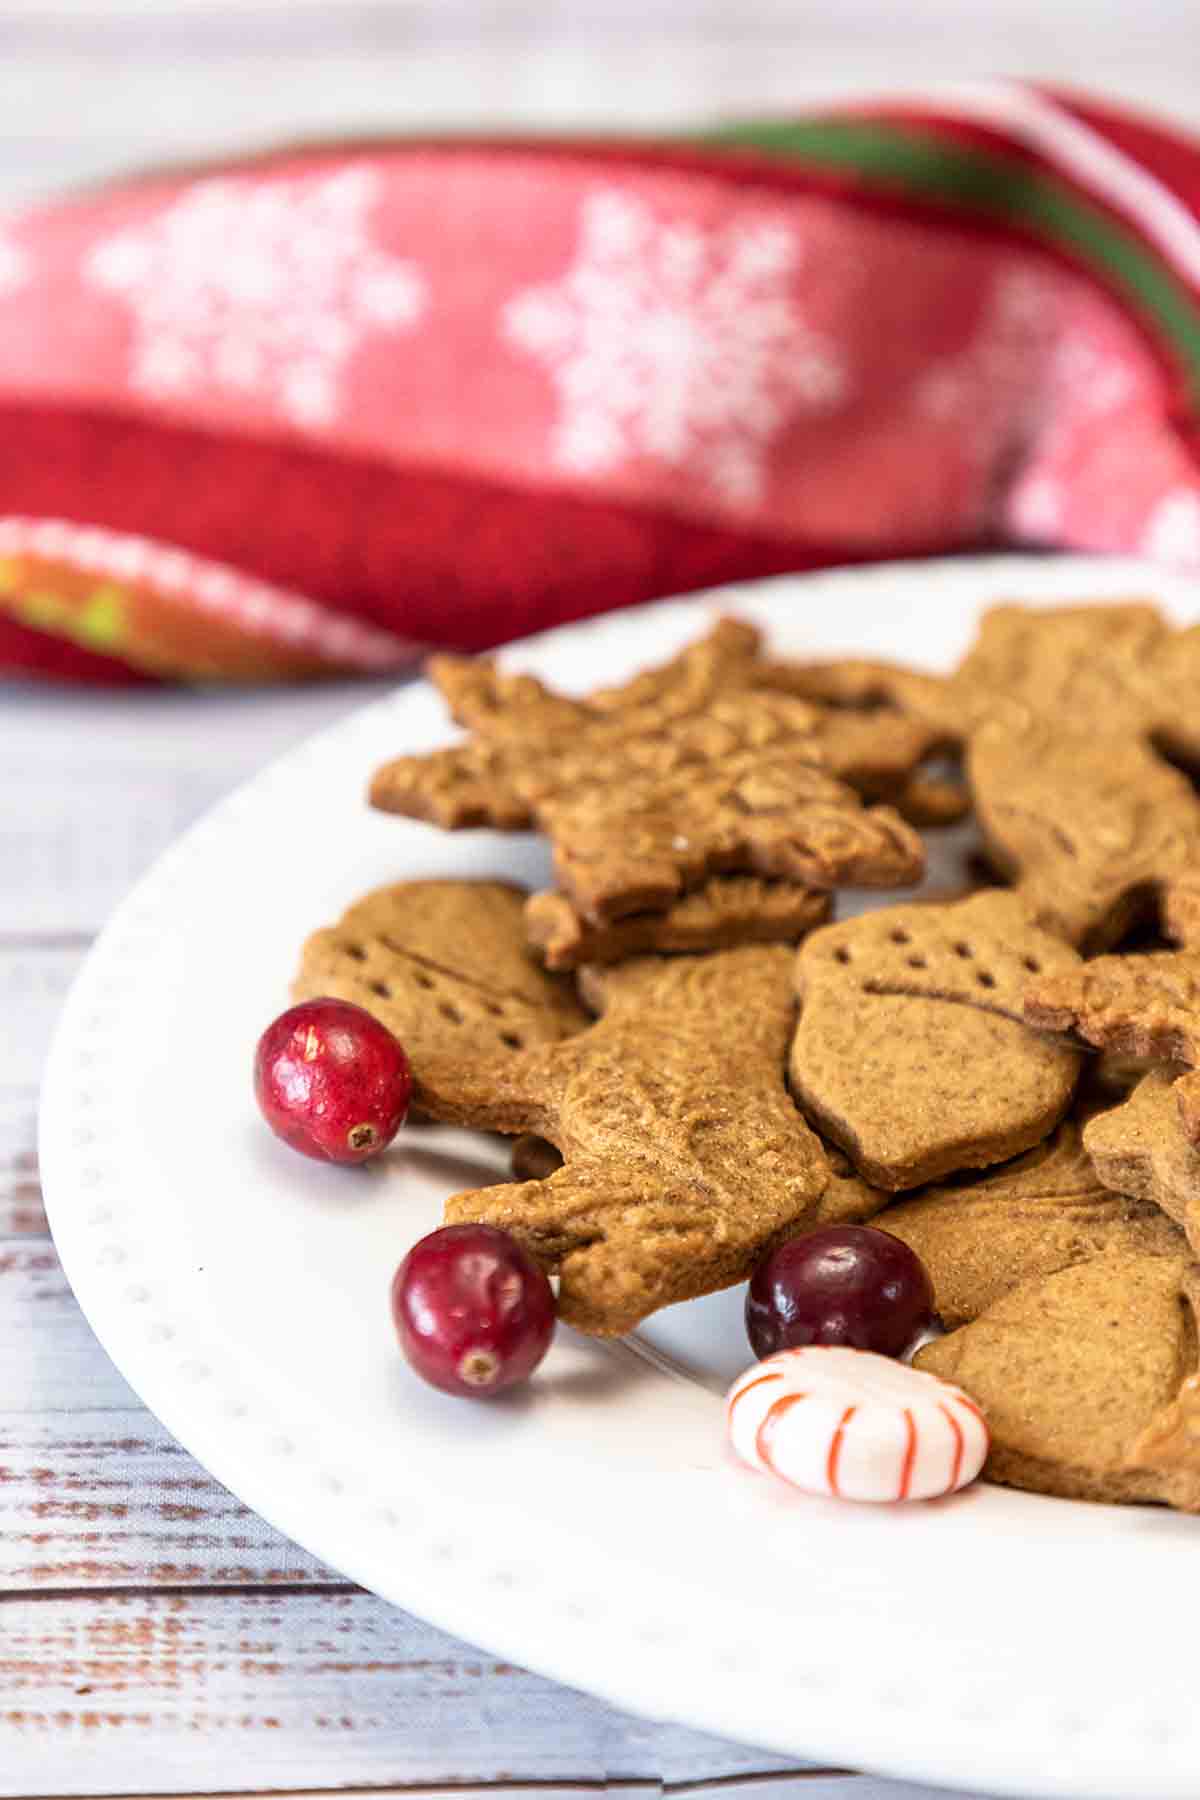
x=201 y=1409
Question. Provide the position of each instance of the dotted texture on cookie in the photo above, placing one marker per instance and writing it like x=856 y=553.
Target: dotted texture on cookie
x=911 y=1051
x=443 y=964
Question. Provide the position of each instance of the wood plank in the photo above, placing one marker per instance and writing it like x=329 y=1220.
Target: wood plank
x=34 y=979
x=165 y=1693
x=98 y=784
x=49 y=1353
x=110 y=1500
x=798 y=1784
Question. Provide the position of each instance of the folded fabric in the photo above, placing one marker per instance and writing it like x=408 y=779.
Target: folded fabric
x=316 y=411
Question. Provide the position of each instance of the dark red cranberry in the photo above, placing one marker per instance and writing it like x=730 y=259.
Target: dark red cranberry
x=843 y=1284
x=473 y=1311
x=331 y=1081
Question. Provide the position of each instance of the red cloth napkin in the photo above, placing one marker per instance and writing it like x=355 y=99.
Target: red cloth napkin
x=313 y=412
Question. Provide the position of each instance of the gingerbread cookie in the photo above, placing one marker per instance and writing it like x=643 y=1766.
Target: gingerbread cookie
x=1094 y=829
x=533 y=1159
x=443 y=965
x=981 y=1236
x=684 y=1157
x=1140 y=1148
x=726 y=911
x=1116 y=667
x=520 y=709
x=1170 y=1443
x=619 y=763
x=642 y=843
x=1075 y=1369
x=520 y=726
x=1136 y=1005
x=1063 y=712
x=846 y=1200
x=912 y=1052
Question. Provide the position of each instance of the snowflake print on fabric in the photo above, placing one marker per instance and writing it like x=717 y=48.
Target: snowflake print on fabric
x=261 y=288
x=678 y=343
x=1172 y=532
x=14 y=263
x=993 y=391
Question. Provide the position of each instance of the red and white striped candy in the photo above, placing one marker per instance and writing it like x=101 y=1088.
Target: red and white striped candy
x=855 y=1425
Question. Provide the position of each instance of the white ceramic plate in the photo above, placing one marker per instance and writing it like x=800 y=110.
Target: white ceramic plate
x=591 y=1526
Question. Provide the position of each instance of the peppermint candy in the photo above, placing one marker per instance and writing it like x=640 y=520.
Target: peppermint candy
x=855 y=1426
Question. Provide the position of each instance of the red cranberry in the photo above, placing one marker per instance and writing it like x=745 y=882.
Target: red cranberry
x=844 y=1284
x=473 y=1311
x=331 y=1081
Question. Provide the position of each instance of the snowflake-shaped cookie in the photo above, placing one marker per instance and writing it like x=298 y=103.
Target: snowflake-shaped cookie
x=675 y=343
x=261 y=287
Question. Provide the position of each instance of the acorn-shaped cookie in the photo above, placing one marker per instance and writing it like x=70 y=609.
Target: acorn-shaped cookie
x=912 y=1052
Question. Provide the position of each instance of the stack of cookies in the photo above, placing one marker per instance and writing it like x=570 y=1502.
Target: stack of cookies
x=687 y=1088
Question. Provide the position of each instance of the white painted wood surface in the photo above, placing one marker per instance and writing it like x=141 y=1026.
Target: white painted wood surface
x=155 y=1637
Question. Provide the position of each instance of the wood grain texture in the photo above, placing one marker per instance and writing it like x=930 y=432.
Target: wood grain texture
x=97 y=785
x=110 y=1500
x=301 y=1689
x=34 y=978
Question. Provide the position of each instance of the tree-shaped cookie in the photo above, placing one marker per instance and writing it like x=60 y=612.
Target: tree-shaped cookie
x=1146 y=1006
x=684 y=1156
x=1087 y=1377
x=912 y=1051
x=980 y=1236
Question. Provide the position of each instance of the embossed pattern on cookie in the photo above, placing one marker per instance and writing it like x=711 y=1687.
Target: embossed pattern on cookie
x=443 y=965
x=684 y=1156
x=643 y=843
x=698 y=736
x=519 y=726
x=727 y=910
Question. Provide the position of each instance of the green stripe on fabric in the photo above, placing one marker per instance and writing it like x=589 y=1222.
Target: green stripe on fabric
x=923 y=166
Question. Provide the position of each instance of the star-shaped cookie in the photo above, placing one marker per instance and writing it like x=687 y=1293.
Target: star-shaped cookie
x=700 y=769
